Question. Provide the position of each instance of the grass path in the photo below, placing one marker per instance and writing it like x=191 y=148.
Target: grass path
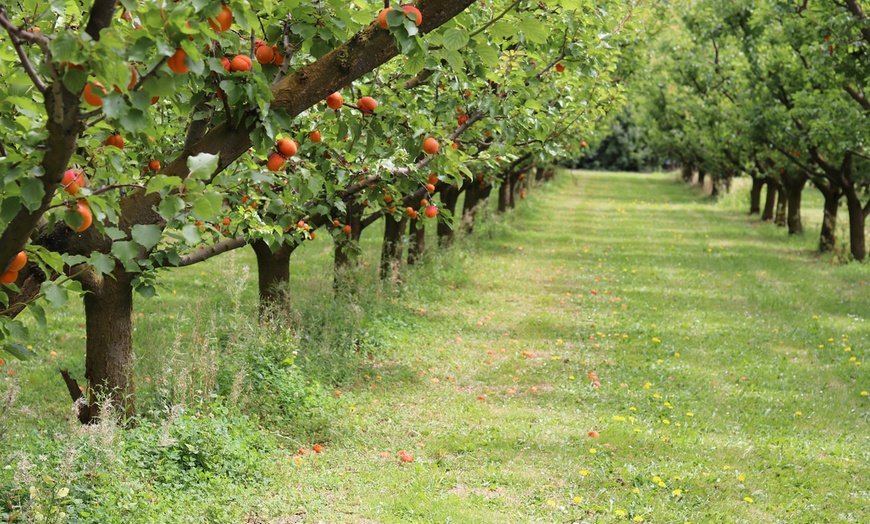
x=729 y=370
x=720 y=363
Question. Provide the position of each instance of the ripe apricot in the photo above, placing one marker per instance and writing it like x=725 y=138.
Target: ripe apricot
x=241 y=63
x=388 y=198
x=279 y=58
x=430 y=188
x=409 y=9
x=72 y=181
x=424 y=202
x=226 y=63
x=134 y=76
x=9 y=277
x=115 y=140
x=176 y=62
x=222 y=21
x=91 y=94
x=87 y=216
x=287 y=147
x=560 y=67
x=382 y=17
x=18 y=262
x=226 y=221
x=275 y=162
x=334 y=101
x=430 y=146
x=347 y=229
x=367 y=104
x=431 y=211
x=154 y=165
x=462 y=119
x=314 y=136
x=265 y=54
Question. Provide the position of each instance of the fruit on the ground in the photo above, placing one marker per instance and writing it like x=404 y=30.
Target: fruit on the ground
x=411 y=9
x=87 y=216
x=560 y=67
x=404 y=456
x=431 y=211
x=315 y=136
x=154 y=165
x=9 y=277
x=275 y=162
x=382 y=17
x=430 y=146
x=241 y=63
x=317 y=448
x=222 y=21
x=334 y=101
x=367 y=104
x=72 y=181
x=115 y=140
x=176 y=62
x=18 y=262
x=593 y=434
x=265 y=54
x=94 y=93
x=287 y=147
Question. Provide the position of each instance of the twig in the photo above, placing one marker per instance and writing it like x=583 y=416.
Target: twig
x=14 y=34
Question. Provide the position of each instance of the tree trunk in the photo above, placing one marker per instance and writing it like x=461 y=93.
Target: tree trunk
x=273 y=272
x=687 y=172
x=702 y=175
x=392 y=249
x=770 y=201
x=827 y=237
x=540 y=174
x=449 y=197
x=473 y=192
x=504 y=191
x=417 y=232
x=109 y=347
x=514 y=184
x=755 y=195
x=345 y=244
x=857 y=244
x=795 y=189
x=781 y=195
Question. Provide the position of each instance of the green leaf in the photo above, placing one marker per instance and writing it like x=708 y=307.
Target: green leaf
x=191 y=234
x=202 y=165
x=415 y=63
x=18 y=351
x=32 y=193
x=207 y=206
x=38 y=313
x=170 y=206
x=103 y=263
x=161 y=182
x=488 y=55
x=147 y=236
x=55 y=294
x=534 y=30
x=455 y=39
x=125 y=251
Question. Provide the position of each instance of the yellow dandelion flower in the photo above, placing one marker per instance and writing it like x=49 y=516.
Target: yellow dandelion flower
x=577 y=500
x=632 y=408
x=593 y=450
x=852 y=359
x=659 y=361
x=656 y=340
x=584 y=472
x=656 y=479
x=635 y=490
x=676 y=354
x=741 y=478
x=847 y=350
x=726 y=467
x=677 y=492
x=660 y=484
x=647 y=385
x=638 y=519
x=551 y=502
x=656 y=395
x=798 y=413
x=665 y=421
x=620 y=513
x=570 y=377
x=815 y=317
x=863 y=393
x=690 y=414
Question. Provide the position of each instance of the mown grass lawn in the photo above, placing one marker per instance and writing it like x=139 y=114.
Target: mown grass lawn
x=719 y=362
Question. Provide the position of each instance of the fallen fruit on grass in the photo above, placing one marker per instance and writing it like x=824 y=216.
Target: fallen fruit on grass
x=593 y=434
x=405 y=456
x=317 y=448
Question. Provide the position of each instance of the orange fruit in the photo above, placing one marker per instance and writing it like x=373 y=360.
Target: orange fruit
x=9 y=277
x=226 y=63
x=382 y=17
x=222 y=21
x=409 y=211
x=433 y=178
x=430 y=146
x=72 y=181
x=154 y=165
x=241 y=63
x=593 y=434
x=411 y=9
x=431 y=211
x=388 y=199
x=430 y=188
x=115 y=140
x=334 y=101
x=275 y=162
x=347 y=229
x=279 y=58
x=462 y=119
x=18 y=262
x=424 y=203
x=287 y=147
x=134 y=76
x=91 y=95
x=86 y=214
x=226 y=221
x=560 y=67
x=315 y=136
x=317 y=448
x=265 y=54
x=176 y=62
x=367 y=104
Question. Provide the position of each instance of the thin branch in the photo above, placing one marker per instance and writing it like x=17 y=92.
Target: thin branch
x=14 y=33
x=213 y=251
x=858 y=96
x=494 y=20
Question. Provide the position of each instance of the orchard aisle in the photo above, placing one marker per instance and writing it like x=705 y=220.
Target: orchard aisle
x=619 y=350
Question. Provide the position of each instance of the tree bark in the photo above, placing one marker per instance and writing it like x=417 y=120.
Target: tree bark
x=393 y=247
x=794 y=190
x=446 y=229
x=109 y=347
x=504 y=192
x=781 y=196
x=344 y=243
x=687 y=172
x=417 y=232
x=828 y=237
x=857 y=243
x=702 y=175
x=273 y=272
x=770 y=202
x=755 y=195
